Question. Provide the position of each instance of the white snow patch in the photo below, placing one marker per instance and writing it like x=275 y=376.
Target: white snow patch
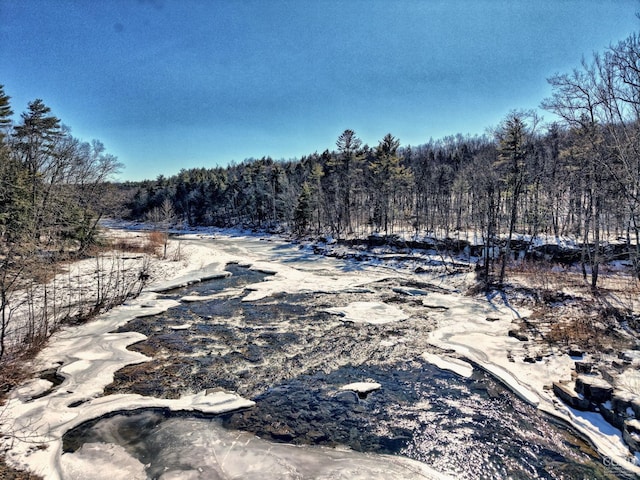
x=184 y=326
x=391 y=341
x=33 y=388
x=362 y=387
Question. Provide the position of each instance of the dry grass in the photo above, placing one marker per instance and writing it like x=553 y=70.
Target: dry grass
x=156 y=240
x=8 y=473
x=149 y=244
x=16 y=368
x=567 y=311
x=578 y=331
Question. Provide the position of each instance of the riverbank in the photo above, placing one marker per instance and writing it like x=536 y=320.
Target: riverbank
x=545 y=328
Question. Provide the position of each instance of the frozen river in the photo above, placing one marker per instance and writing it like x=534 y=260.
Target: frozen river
x=335 y=360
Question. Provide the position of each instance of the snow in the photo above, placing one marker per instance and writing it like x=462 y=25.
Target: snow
x=455 y=365
x=105 y=461
x=88 y=356
x=287 y=279
x=362 y=387
x=184 y=326
x=33 y=388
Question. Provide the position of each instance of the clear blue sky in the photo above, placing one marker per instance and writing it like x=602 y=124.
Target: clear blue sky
x=171 y=84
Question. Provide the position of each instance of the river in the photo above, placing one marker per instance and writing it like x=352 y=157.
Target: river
x=282 y=345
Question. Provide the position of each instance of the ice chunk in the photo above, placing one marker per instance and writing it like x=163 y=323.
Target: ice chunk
x=459 y=367
x=362 y=387
x=183 y=449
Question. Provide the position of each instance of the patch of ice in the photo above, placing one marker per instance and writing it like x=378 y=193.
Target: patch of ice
x=391 y=341
x=455 y=365
x=412 y=292
x=104 y=461
x=186 y=450
x=184 y=326
x=362 y=387
x=33 y=389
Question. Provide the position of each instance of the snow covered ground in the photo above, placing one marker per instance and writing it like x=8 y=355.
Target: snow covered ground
x=88 y=355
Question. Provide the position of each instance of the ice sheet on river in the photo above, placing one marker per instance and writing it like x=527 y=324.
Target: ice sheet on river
x=188 y=451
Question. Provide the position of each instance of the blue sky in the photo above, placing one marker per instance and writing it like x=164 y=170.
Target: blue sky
x=171 y=84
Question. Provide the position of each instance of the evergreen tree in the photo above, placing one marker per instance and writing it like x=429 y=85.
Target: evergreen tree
x=387 y=175
x=346 y=168
x=304 y=210
x=5 y=114
x=513 y=149
x=35 y=140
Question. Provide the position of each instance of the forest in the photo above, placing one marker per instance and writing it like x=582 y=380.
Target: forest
x=577 y=177
x=54 y=190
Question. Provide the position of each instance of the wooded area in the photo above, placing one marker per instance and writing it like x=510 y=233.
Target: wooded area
x=54 y=190
x=578 y=177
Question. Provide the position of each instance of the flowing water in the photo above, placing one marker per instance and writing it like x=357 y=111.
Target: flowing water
x=291 y=357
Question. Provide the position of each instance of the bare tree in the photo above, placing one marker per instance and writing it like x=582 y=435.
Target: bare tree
x=163 y=217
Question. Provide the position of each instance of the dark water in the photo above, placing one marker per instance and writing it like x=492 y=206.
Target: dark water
x=291 y=359
x=472 y=428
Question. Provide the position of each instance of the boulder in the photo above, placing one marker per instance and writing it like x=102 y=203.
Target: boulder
x=595 y=389
x=619 y=409
x=570 y=397
x=583 y=367
x=517 y=334
x=625 y=357
x=608 y=374
x=575 y=351
x=631 y=434
x=621 y=403
x=611 y=416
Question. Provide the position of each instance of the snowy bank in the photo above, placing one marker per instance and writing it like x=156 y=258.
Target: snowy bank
x=478 y=330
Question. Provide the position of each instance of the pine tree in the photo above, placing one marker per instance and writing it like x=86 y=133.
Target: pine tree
x=5 y=114
x=304 y=210
x=513 y=150
x=35 y=139
x=388 y=175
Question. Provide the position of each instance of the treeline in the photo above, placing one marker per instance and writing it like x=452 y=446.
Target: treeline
x=577 y=177
x=53 y=191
